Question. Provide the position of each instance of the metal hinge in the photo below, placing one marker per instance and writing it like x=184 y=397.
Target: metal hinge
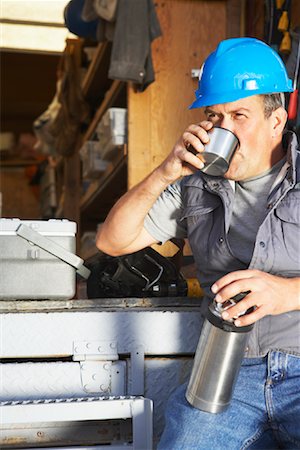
x=100 y=370
x=95 y=351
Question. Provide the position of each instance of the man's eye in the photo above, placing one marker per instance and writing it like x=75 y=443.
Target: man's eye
x=240 y=115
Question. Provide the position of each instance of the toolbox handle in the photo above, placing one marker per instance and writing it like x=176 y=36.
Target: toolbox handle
x=54 y=249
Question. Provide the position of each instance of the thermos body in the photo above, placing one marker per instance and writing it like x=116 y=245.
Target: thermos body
x=216 y=366
x=217 y=361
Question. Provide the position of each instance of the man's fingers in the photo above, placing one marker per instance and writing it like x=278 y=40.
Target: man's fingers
x=250 y=318
x=241 y=307
x=233 y=289
x=184 y=155
x=231 y=277
x=197 y=136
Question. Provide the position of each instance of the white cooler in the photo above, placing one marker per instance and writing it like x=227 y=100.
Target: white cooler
x=37 y=259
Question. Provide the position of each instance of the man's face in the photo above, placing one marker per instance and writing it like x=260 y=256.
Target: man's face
x=258 y=150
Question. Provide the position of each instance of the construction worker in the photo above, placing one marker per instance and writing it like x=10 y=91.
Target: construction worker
x=244 y=231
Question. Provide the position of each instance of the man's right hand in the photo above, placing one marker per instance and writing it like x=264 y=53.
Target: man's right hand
x=185 y=158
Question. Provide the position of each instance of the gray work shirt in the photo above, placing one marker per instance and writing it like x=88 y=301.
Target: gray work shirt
x=200 y=207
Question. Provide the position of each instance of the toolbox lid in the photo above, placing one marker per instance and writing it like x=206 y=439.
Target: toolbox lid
x=58 y=227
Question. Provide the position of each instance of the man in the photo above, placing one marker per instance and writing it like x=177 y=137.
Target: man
x=244 y=232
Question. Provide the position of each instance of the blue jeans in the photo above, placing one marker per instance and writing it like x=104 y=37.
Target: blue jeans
x=264 y=412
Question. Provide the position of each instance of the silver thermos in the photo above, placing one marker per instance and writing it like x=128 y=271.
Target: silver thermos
x=217 y=359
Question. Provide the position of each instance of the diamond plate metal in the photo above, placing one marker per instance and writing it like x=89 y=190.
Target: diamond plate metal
x=31 y=335
x=29 y=381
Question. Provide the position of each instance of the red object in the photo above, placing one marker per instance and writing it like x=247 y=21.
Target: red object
x=293 y=103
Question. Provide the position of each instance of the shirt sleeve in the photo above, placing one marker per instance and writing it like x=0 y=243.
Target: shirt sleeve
x=164 y=221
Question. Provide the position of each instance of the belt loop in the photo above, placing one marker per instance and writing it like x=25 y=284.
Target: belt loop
x=270 y=363
x=277 y=365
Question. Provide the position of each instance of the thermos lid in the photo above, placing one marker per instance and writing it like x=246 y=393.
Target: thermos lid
x=215 y=318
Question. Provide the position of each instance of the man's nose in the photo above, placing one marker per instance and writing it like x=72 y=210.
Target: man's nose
x=226 y=122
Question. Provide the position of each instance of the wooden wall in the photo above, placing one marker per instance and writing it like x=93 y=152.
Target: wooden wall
x=158 y=116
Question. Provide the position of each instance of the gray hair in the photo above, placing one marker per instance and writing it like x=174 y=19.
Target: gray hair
x=272 y=102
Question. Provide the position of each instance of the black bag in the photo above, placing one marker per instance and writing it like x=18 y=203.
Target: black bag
x=140 y=274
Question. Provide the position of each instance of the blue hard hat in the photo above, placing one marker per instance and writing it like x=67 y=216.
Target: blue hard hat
x=75 y=23
x=239 y=68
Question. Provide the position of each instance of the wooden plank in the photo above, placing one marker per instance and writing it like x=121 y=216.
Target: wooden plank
x=235 y=18
x=17 y=162
x=139 y=135
x=92 y=69
x=72 y=179
x=109 y=98
x=104 y=179
x=96 y=82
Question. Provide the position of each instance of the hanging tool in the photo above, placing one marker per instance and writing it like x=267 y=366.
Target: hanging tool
x=286 y=43
x=279 y=4
x=284 y=26
x=293 y=102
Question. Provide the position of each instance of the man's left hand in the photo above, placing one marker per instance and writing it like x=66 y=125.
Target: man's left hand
x=269 y=294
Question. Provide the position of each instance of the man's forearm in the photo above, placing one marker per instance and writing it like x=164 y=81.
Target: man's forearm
x=124 y=224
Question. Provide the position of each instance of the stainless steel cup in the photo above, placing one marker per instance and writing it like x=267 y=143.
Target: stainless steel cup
x=219 y=151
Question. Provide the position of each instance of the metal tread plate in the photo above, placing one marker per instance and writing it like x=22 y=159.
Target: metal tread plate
x=42 y=334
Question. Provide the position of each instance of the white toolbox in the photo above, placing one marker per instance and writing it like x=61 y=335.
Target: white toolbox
x=37 y=259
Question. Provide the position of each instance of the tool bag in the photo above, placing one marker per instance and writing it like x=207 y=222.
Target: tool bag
x=139 y=274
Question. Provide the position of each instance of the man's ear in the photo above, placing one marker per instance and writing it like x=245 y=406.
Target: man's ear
x=279 y=119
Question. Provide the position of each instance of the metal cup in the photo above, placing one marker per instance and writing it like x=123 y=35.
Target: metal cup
x=219 y=151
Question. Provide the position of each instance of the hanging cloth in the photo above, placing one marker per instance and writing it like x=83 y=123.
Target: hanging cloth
x=136 y=27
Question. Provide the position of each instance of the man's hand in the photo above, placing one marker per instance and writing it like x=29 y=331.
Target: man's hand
x=270 y=294
x=185 y=158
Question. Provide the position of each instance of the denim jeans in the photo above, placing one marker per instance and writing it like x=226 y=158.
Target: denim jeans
x=264 y=412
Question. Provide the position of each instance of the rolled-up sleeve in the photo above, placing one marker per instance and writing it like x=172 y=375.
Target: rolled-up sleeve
x=163 y=221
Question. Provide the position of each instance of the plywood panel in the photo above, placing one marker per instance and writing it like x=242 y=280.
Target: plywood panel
x=157 y=117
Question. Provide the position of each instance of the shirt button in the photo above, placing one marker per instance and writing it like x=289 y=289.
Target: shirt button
x=262 y=244
x=221 y=240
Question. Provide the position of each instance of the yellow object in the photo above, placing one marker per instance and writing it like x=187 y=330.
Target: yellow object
x=279 y=3
x=286 y=44
x=283 y=23
x=194 y=288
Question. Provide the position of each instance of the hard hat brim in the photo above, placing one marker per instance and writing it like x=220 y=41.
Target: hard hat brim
x=228 y=97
